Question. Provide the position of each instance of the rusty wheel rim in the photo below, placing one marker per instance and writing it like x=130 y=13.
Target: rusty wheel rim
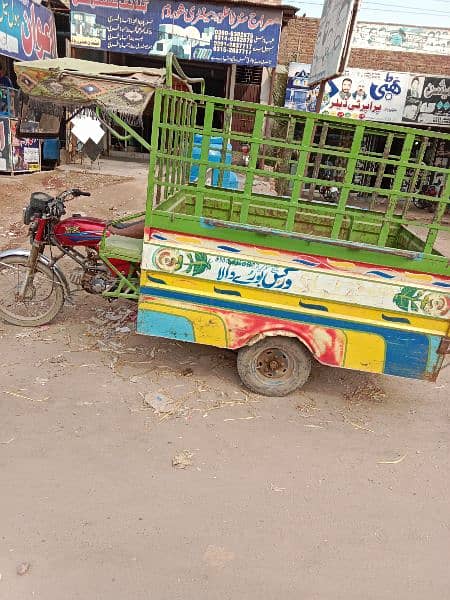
x=273 y=364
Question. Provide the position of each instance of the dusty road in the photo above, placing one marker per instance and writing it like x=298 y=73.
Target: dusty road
x=338 y=492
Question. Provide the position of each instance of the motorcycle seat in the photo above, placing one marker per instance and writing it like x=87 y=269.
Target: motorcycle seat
x=122 y=247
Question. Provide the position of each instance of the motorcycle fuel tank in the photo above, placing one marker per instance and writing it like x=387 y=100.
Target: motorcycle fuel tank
x=80 y=231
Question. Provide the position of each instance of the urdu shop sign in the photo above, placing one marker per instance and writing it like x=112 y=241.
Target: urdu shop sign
x=205 y=32
x=27 y=31
x=374 y=96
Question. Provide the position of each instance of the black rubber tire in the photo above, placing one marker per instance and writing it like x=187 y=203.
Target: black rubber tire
x=57 y=297
x=297 y=361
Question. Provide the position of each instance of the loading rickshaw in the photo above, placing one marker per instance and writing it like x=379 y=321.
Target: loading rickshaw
x=266 y=267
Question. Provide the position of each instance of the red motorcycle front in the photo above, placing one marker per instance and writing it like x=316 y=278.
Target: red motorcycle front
x=33 y=287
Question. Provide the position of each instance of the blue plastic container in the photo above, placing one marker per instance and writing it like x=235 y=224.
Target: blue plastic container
x=229 y=180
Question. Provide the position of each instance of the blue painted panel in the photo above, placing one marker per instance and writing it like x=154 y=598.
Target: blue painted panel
x=163 y=325
x=243 y=35
x=433 y=357
x=406 y=351
x=28 y=31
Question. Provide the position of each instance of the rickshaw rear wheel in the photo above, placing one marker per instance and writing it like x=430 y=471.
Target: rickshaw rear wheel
x=274 y=366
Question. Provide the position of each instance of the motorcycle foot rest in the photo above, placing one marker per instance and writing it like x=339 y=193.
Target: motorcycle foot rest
x=122 y=247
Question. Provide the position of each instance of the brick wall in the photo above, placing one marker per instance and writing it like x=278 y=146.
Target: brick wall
x=298 y=39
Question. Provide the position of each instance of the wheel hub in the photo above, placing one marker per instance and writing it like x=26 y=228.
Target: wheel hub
x=273 y=364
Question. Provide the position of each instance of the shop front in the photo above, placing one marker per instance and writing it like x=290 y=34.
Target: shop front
x=232 y=46
x=27 y=32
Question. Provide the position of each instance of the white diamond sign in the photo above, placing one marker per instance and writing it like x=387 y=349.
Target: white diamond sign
x=85 y=128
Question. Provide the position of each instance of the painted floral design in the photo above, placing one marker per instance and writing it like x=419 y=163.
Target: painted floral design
x=197 y=263
x=171 y=260
x=411 y=299
x=168 y=260
x=435 y=305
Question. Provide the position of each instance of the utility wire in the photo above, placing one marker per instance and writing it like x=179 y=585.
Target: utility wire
x=367 y=6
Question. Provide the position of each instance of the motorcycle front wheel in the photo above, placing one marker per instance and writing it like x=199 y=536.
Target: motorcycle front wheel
x=42 y=301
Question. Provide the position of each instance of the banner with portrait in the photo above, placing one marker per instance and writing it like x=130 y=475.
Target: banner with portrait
x=374 y=96
x=366 y=95
x=427 y=101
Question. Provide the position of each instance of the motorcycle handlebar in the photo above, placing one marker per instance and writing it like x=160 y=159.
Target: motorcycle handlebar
x=75 y=192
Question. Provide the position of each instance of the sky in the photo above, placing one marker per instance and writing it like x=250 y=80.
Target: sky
x=427 y=13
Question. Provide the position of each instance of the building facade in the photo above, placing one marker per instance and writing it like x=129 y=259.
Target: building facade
x=232 y=45
x=395 y=74
x=298 y=40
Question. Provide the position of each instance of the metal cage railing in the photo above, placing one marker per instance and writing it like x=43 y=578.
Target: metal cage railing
x=196 y=175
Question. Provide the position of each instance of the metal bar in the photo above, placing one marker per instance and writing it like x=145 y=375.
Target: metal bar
x=130 y=131
x=317 y=160
x=396 y=189
x=255 y=144
x=204 y=157
x=227 y=122
x=152 y=173
x=299 y=176
x=381 y=169
x=274 y=110
x=352 y=160
x=414 y=178
x=436 y=226
x=267 y=231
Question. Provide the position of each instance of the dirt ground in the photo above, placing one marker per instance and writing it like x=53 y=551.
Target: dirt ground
x=337 y=492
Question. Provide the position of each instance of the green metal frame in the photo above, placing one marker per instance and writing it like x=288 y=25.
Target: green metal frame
x=300 y=153
x=128 y=286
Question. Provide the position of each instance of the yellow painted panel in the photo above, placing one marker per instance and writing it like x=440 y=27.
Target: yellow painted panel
x=420 y=277
x=364 y=352
x=282 y=300
x=209 y=328
x=346 y=266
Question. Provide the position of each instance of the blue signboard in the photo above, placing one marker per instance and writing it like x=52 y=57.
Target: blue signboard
x=27 y=31
x=206 y=32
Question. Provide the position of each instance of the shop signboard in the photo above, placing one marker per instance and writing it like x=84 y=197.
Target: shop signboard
x=366 y=95
x=332 y=45
x=427 y=100
x=298 y=93
x=373 y=95
x=25 y=152
x=17 y=155
x=204 y=32
x=27 y=31
x=402 y=38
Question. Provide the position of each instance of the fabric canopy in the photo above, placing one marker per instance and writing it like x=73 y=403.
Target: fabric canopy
x=72 y=83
